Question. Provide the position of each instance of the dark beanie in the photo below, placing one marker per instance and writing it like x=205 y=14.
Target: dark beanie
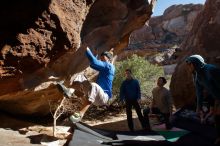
x=108 y=54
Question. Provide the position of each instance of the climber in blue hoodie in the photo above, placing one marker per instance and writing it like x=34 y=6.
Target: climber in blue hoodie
x=100 y=91
x=206 y=76
x=96 y=93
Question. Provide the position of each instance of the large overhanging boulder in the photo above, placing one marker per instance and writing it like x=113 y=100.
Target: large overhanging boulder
x=40 y=44
x=204 y=40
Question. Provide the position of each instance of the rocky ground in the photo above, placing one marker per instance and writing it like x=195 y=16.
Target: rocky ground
x=19 y=132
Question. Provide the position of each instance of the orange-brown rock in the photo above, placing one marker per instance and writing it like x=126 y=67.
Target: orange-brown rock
x=171 y=27
x=163 y=33
x=204 y=40
x=40 y=44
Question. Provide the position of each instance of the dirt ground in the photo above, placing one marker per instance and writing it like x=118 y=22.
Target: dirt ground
x=16 y=132
x=118 y=122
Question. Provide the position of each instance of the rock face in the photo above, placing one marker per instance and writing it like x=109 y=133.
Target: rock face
x=203 y=40
x=164 y=32
x=171 y=27
x=40 y=44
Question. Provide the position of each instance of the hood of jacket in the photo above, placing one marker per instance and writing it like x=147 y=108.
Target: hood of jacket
x=197 y=61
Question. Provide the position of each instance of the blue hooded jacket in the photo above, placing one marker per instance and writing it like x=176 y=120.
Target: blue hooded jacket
x=207 y=76
x=106 y=72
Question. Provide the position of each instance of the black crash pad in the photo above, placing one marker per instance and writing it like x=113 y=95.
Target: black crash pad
x=85 y=135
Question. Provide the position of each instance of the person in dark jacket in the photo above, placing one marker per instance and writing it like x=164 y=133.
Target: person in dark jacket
x=206 y=76
x=130 y=93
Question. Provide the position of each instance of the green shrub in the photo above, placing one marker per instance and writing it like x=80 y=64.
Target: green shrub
x=142 y=70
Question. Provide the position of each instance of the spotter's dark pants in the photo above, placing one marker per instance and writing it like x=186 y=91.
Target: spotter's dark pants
x=166 y=116
x=136 y=106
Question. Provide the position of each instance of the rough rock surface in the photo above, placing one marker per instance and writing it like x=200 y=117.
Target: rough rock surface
x=162 y=33
x=203 y=40
x=173 y=25
x=40 y=44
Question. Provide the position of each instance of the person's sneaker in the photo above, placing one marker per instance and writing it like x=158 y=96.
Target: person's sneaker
x=67 y=92
x=76 y=117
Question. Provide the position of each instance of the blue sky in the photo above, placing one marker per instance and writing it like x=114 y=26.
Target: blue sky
x=163 y=4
